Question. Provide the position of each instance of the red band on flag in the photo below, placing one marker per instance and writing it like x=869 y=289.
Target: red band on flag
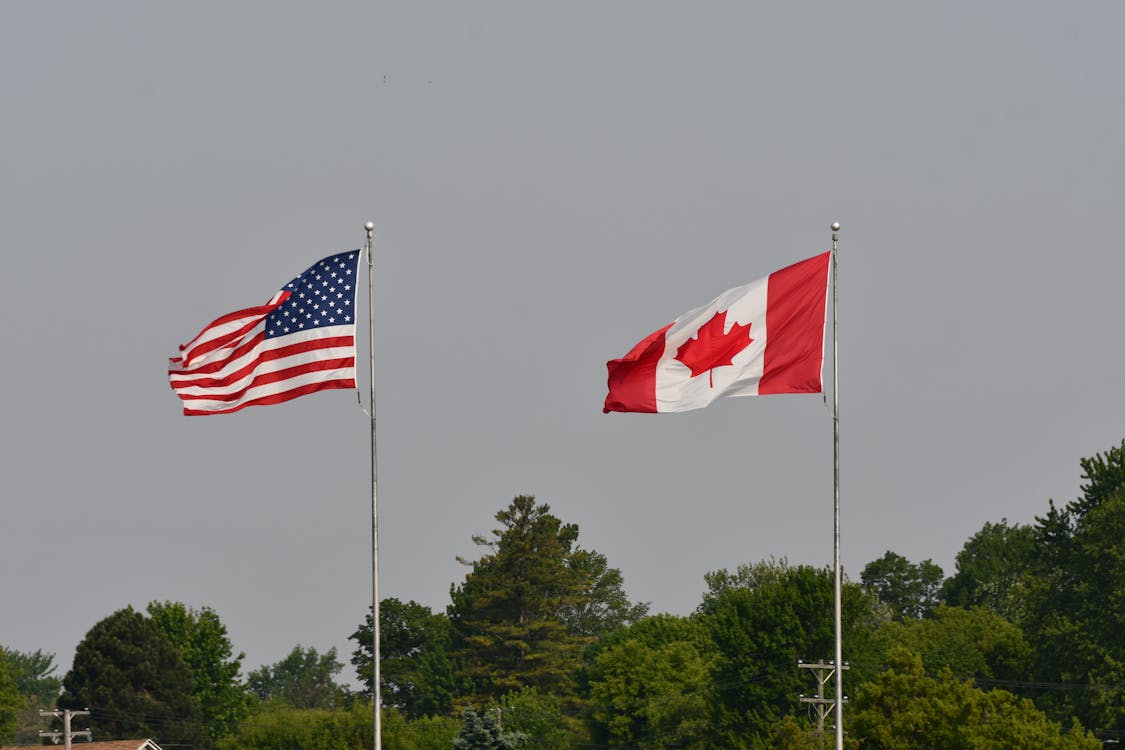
x=795 y=307
x=632 y=379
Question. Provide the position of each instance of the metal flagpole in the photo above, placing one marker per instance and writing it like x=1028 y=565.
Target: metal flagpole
x=375 y=676
x=836 y=497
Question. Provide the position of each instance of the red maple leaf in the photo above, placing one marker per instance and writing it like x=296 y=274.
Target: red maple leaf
x=712 y=348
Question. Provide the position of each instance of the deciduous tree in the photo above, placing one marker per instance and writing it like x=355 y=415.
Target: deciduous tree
x=910 y=590
x=201 y=638
x=904 y=709
x=303 y=679
x=417 y=671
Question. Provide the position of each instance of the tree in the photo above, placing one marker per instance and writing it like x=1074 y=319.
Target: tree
x=909 y=590
x=1075 y=598
x=38 y=688
x=303 y=679
x=417 y=672
x=992 y=570
x=524 y=612
x=537 y=716
x=651 y=685
x=201 y=638
x=278 y=726
x=604 y=606
x=483 y=732
x=10 y=699
x=134 y=682
x=906 y=710
x=761 y=632
x=972 y=643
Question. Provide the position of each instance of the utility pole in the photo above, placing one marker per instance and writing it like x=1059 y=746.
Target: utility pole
x=823 y=706
x=66 y=734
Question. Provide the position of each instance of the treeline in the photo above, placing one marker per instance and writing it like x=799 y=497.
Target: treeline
x=540 y=647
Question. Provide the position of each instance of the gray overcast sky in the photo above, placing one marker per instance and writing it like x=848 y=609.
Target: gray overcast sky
x=551 y=182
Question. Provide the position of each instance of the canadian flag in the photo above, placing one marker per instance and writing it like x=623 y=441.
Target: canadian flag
x=762 y=338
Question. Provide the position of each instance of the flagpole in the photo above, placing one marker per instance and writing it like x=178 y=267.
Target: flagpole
x=375 y=676
x=837 y=586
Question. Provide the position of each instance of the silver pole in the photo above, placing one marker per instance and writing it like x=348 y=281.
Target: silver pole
x=375 y=676
x=837 y=587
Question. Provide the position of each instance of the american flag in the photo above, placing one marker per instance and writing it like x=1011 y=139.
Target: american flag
x=301 y=341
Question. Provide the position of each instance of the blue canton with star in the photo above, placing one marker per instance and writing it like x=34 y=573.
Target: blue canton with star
x=322 y=296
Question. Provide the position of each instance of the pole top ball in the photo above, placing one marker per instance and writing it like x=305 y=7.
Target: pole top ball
x=369 y=226
x=835 y=226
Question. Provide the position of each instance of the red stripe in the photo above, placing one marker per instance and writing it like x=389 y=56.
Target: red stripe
x=796 y=298
x=258 y=314
x=267 y=355
x=272 y=377
x=632 y=379
x=277 y=398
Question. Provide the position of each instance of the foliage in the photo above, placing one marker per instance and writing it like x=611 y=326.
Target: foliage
x=603 y=607
x=423 y=733
x=910 y=590
x=279 y=726
x=483 y=732
x=992 y=570
x=303 y=679
x=34 y=674
x=134 y=682
x=201 y=638
x=907 y=710
x=975 y=643
x=38 y=688
x=1076 y=604
x=651 y=686
x=10 y=699
x=537 y=716
x=416 y=669
x=761 y=632
x=790 y=734
x=525 y=611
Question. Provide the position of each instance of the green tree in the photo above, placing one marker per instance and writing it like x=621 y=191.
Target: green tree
x=279 y=726
x=303 y=679
x=537 y=716
x=520 y=615
x=761 y=632
x=910 y=590
x=904 y=709
x=201 y=638
x=38 y=687
x=992 y=570
x=134 y=682
x=483 y=732
x=416 y=669
x=1075 y=600
x=971 y=643
x=11 y=702
x=603 y=606
x=651 y=686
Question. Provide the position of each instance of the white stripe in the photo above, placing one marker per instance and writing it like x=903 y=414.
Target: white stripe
x=676 y=390
x=271 y=389
x=177 y=369
x=183 y=383
x=211 y=333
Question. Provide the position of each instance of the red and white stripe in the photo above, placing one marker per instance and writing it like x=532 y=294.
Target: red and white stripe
x=786 y=315
x=231 y=364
